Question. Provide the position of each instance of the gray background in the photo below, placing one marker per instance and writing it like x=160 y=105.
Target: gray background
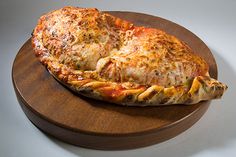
x=213 y=21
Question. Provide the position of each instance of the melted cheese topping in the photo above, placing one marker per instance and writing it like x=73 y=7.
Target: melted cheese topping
x=152 y=57
x=78 y=38
x=115 y=50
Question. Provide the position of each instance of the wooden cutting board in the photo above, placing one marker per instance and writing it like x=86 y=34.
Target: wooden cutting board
x=99 y=125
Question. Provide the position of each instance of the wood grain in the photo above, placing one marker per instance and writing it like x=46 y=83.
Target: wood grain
x=99 y=125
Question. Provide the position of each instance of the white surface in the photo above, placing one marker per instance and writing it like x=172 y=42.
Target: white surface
x=213 y=21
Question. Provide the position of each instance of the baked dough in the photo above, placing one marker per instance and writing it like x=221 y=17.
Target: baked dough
x=104 y=57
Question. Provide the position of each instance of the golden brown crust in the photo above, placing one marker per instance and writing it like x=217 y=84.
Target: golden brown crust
x=107 y=58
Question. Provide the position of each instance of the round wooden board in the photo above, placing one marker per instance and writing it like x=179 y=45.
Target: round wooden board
x=99 y=125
